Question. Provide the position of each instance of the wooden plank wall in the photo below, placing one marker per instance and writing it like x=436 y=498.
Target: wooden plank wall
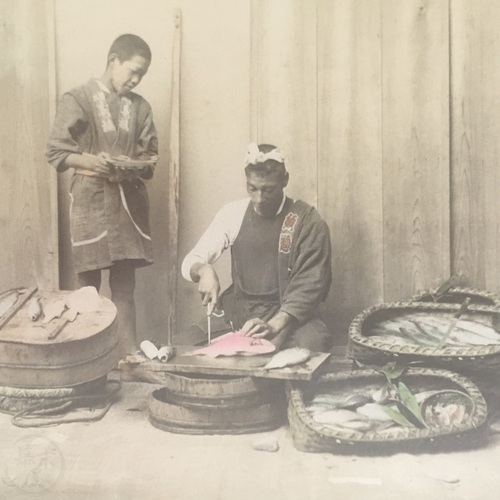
x=475 y=180
x=283 y=87
x=350 y=153
x=415 y=142
x=386 y=110
x=28 y=225
x=368 y=102
x=214 y=123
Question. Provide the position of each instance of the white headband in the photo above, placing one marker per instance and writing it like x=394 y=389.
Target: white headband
x=255 y=156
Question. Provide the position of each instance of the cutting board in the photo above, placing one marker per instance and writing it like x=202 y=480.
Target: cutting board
x=250 y=366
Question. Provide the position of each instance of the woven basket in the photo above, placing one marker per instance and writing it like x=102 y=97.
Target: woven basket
x=457 y=295
x=310 y=436
x=465 y=359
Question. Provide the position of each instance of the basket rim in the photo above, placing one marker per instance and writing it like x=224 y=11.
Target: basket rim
x=392 y=435
x=461 y=290
x=355 y=328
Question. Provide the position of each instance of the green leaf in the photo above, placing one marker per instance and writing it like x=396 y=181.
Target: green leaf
x=393 y=371
x=452 y=281
x=410 y=402
x=397 y=416
x=409 y=415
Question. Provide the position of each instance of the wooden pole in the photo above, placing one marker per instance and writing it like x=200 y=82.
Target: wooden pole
x=173 y=180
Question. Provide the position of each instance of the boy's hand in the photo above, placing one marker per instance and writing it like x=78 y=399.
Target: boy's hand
x=99 y=164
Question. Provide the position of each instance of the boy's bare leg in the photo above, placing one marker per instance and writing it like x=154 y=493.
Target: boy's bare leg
x=90 y=278
x=122 y=284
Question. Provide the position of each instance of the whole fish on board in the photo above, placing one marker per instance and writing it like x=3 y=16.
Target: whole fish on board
x=34 y=309
x=234 y=344
x=7 y=300
x=288 y=357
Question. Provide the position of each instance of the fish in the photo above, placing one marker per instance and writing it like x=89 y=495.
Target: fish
x=34 y=309
x=373 y=411
x=53 y=310
x=343 y=418
x=427 y=330
x=479 y=329
x=70 y=314
x=288 y=357
x=317 y=407
x=331 y=401
x=355 y=400
x=85 y=299
x=234 y=344
x=328 y=400
x=7 y=300
x=359 y=425
x=337 y=417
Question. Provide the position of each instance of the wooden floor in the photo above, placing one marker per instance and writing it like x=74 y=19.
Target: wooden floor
x=123 y=456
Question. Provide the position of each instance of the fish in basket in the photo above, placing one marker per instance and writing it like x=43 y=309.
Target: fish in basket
x=386 y=411
x=446 y=335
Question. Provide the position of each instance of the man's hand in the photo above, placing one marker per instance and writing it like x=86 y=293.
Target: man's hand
x=259 y=328
x=208 y=284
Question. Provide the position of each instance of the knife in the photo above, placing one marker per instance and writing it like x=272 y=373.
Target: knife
x=209 y=325
x=453 y=324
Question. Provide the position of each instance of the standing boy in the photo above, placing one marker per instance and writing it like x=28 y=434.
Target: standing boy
x=109 y=207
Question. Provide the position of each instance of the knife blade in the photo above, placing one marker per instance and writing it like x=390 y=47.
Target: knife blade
x=209 y=325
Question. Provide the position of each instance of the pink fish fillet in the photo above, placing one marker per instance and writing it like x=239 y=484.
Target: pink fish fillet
x=234 y=344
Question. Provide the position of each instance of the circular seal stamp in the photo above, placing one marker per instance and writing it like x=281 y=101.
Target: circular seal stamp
x=34 y=466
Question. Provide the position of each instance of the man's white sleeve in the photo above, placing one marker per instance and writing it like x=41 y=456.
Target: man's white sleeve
x=219 y=236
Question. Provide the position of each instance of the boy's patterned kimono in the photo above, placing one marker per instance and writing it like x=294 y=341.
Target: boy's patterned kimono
x=109 y=220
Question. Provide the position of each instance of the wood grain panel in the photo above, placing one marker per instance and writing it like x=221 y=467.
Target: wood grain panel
x=215 y=94
x=415 y=108
x=214 y=120
x=28 y=253
x=475 y=43
x=350 y=154
x=283 y=87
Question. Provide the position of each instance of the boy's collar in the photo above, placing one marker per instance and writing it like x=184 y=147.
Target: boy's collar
x=102 y=86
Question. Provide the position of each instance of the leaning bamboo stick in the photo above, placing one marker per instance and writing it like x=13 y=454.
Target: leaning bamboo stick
x=173 y=181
